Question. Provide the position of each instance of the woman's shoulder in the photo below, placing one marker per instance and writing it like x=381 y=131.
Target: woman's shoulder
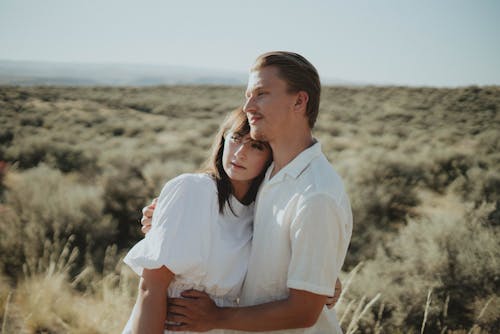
x=194 y=180
x=194 y=183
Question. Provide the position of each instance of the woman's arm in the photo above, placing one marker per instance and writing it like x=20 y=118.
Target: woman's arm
x=151 y=306
x=173 y=245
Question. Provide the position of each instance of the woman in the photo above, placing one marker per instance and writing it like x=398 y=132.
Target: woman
x=202 y=228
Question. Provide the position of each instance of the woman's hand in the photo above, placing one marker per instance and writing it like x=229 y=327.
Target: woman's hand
x=331 y=301
x=147 y=215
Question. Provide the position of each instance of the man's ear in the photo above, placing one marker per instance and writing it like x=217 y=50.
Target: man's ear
x=301 y=101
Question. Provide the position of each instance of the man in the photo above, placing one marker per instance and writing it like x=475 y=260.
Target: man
x=303 y=219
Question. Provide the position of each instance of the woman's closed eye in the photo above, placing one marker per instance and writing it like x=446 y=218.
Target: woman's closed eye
x=258 y=145
x=235 y=138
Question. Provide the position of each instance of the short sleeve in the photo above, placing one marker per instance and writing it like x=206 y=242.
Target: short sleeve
x=319 y=241
x=179 y=237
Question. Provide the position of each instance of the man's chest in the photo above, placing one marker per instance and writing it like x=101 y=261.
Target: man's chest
x=275 y=210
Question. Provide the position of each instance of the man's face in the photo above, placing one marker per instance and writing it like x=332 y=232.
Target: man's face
x=268 y=104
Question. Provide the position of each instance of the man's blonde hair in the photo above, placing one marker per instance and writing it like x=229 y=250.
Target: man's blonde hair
x=299 y=75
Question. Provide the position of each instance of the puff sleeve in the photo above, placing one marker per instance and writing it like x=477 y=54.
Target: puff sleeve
x=179 y=237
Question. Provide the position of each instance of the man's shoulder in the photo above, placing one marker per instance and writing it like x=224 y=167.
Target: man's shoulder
x=320 y=177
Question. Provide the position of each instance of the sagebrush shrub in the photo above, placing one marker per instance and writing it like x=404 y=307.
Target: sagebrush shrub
x=44 y=204
x=455 y=256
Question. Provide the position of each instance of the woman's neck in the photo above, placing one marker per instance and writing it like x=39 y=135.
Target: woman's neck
x=240 y=189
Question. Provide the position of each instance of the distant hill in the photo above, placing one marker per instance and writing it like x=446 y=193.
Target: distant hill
x=32 y=73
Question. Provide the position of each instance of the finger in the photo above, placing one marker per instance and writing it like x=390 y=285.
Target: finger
x=194 y=294
x=338 y=289
x=145 y=229
x=148 y=211
x=155 y=200
x=330 y=302
x=145 y=221
x=177 y=328
x=177 y=310
x=176 y=318
x=180 y=302
x=338 y=284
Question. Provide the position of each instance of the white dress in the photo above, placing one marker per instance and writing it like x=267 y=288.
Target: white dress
x=206 y=250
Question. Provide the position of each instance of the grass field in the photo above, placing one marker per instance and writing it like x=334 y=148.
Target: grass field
x=421 y=165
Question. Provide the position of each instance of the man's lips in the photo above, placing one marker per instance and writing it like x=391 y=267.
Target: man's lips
x=254 y=119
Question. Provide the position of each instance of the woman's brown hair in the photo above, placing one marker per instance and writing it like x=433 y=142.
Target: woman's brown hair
x=237 y=123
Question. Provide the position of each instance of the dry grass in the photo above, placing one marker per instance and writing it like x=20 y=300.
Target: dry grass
x=421 y=166
x=48 y=300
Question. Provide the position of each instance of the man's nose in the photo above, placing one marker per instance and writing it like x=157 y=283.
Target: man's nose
x=249 y=105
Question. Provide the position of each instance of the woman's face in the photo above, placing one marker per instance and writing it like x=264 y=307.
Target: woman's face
x=243 y=158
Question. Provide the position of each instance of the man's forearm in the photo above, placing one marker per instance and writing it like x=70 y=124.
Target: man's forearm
x=299 y=310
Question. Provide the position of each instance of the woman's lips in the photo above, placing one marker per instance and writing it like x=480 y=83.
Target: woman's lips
x=234 y=164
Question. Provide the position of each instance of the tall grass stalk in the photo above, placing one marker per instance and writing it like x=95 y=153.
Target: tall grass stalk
x=346 y=311
x=378 y=327
x=6 y=312
x=476 y=327
x=352 y=274
x=360 y=312
x=427 y=305
x=445 y=313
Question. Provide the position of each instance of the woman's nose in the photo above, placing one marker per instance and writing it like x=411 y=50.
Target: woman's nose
x=241 y=151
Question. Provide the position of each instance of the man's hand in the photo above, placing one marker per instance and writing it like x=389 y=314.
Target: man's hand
x=196 y=313
x=147 y=215
x=331 y=301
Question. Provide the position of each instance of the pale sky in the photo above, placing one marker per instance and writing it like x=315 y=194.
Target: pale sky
x=402 y=42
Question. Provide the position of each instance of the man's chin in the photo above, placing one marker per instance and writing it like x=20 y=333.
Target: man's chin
x=257 y=135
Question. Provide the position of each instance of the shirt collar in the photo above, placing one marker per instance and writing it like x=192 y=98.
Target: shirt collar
x=295 y=167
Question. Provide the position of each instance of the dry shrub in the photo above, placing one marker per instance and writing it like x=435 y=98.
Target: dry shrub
x=43 y=204
x=49 y=304
x=383 y=197
x=448 y=166
x=403 y=153
x=32 y=151
x=456 y=256
x=129 y=184
x=125 y=192
x=478 y=185
x=43 y=301
x=46 y=301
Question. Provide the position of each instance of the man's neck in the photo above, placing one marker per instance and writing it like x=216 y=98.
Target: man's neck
x=284 y=151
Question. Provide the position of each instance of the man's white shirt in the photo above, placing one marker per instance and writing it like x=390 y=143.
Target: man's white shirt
x=302 y=229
